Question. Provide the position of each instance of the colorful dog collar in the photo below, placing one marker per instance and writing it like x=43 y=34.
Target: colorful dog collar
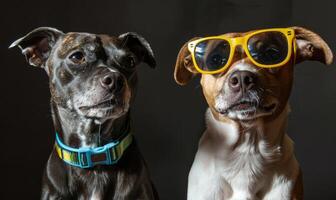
x=85 y=157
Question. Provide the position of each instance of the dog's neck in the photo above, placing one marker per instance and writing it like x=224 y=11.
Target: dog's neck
x=78 y=131
x=233 y=133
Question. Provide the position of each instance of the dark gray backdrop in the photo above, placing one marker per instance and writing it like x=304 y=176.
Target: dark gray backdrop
x=168 y=119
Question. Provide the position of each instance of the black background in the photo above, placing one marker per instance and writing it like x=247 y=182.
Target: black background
x=168 y=119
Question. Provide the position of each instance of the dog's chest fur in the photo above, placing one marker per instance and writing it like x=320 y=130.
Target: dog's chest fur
x=91 y=183
x=233 y=162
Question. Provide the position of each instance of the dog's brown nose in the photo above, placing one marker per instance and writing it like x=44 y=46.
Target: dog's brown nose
x=242 y=81
x=112 y=81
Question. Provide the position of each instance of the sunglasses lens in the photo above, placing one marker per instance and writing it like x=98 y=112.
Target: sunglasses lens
x=212 y=55
x=268 y=48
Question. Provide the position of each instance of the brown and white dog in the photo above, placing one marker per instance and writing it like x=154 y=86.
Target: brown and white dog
x=244 y=155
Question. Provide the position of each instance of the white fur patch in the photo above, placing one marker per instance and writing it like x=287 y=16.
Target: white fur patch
x=95 y=195
x=243 y=66
x=234 y=164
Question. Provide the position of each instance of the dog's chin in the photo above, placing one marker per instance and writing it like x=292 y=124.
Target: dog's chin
x=103 y=111
x=248 y=112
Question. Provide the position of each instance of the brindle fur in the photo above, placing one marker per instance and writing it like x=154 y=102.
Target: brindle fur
x=73 y=85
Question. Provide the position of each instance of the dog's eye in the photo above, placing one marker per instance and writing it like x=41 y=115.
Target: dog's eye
x=77 y=57
x=128 y=62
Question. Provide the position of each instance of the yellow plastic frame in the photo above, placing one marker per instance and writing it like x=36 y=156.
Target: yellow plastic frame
x=234 y=42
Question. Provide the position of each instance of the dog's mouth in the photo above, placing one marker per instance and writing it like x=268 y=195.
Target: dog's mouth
x=246 y=105
x=248 y=110
x=106 y=104
x=106 y=109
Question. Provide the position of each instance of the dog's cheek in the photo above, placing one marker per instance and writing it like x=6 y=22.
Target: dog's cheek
x=127 y=97
x=58 y=95
x=280 y=85
x=76 y=100
x=213 y=89
x=131 y=87
x=64 y=77
x=285 y=81
x=74 y=93
x=208 y=84
x=221 y=103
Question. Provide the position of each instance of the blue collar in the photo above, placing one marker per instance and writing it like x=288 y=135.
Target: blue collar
x=86 y=157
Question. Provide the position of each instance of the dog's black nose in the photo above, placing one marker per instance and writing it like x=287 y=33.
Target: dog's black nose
x=242 y=81
x=112 y=81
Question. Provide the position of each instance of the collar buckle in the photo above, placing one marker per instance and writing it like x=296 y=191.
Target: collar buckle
x=97 y=156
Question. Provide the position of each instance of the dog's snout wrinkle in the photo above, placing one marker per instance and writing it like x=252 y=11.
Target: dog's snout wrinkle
x=107 y=68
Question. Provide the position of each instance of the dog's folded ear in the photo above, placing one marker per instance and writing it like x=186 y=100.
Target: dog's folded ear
x=37 y=44
x=139 y=46
x=310 y=46
x=184 y=67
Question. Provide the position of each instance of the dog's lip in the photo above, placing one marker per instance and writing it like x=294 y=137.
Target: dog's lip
x=249 y=105
x=241 y=105
x=102 y=104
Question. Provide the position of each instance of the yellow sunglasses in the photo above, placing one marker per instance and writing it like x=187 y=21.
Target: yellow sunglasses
x=267 y=48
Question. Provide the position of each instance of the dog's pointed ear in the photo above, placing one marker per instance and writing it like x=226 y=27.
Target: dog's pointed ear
x=37 y=44
x=139 y=46
x=184 y=67
x=310 y=46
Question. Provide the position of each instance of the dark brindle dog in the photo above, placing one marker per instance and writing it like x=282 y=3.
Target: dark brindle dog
x=92 y=83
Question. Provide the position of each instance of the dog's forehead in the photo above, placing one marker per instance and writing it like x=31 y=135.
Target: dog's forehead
x=74 y=40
